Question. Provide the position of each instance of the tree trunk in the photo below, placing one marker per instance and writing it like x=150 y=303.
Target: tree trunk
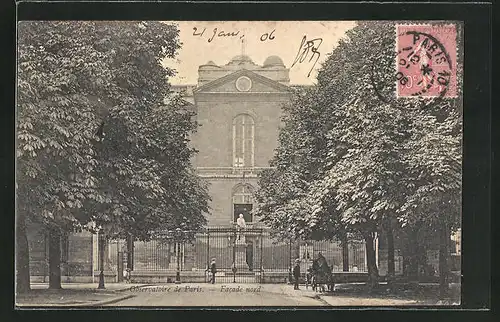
x=443 y=261
x=54 y=259
x=102 y=247
x=391 y=267
x=371 y=261
x=130 y=252
x=22 y=255
x=413 y=256
x=345 y=254
x=297 y=249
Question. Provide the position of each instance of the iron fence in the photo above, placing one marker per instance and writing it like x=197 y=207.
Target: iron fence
x=246 y=256
x=76 y=255
x=249 y=256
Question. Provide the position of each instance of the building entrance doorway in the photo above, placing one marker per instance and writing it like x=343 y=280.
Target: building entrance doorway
x=245 y=210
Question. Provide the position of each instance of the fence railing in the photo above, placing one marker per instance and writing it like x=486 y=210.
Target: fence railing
x=259 y=252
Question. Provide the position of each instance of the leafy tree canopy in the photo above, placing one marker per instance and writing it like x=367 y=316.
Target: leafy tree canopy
x=100 y=136
x=352 y=155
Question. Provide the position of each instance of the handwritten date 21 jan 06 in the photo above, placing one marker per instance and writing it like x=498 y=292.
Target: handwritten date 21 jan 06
x=216 y=33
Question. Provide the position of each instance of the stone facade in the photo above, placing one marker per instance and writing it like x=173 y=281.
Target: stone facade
x=238 y=106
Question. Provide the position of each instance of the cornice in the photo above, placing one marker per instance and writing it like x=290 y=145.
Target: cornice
x=227 y=177
x=237 y=97
x=229 y=173
x=243 y=72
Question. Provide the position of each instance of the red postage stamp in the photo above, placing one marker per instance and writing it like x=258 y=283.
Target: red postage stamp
x=426 y=60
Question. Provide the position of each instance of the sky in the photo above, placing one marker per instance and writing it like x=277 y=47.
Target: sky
x=261 y=39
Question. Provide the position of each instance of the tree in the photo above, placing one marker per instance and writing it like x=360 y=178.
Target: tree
x=56 y=124
x=96 y=139
x=384 y=161
x=298 y=160
x=386 y=137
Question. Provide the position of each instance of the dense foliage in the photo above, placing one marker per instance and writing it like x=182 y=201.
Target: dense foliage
x=354 y=157
x=101 y=138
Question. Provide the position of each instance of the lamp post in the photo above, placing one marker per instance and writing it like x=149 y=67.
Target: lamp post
x=178 y=237
x=102 y=243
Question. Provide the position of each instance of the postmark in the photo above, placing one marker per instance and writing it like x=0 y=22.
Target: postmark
x=426 y=61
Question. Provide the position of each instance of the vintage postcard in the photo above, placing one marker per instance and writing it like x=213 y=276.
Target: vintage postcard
x=238 y=163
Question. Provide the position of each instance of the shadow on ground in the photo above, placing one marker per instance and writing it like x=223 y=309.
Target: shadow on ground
x=423 y=294
x=63 y=296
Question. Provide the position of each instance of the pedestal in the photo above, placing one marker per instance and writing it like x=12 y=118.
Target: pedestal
x=240 y=239
x=240 y=258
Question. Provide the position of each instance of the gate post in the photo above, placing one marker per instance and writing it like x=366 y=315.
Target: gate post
x=345 y=253
x=261 y=250
x=208 y=255
x=119 y=265
x=290 y=263
x=233 y=267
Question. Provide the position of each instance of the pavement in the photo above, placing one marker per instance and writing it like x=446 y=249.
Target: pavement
x=207 y=295
x=356 y=294
x=75 y=295
x=235 y=295
x=90 y=286
x=339 y=299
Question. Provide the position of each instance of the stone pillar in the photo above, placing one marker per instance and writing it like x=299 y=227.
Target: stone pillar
x=95 y=257
x=240 y=254
x=172 y=265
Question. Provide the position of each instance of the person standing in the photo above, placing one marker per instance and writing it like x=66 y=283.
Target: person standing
x=296 y=274
x=213 y=269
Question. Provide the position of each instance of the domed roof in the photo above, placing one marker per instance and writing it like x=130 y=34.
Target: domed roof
x=240 y=59
x=210 y=65
x=273 y=61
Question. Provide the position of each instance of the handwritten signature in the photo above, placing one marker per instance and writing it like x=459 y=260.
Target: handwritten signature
x=308 y=49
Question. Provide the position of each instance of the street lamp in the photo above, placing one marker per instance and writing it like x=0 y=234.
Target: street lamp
x=178 y=237
x=101 y=237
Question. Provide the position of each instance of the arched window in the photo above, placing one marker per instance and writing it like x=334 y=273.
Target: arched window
x=243 y=202
x=243 y=141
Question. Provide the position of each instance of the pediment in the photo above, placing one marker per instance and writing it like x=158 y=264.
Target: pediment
x=243 y=81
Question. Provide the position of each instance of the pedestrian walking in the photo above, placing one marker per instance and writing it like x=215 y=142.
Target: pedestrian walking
x=127 y=276
x=213 y=270
x=296 y=274
x=309 y=276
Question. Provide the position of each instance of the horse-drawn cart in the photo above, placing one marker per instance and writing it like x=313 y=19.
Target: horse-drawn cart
x=320 y=276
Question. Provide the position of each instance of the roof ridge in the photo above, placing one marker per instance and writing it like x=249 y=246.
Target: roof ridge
x=240 y=72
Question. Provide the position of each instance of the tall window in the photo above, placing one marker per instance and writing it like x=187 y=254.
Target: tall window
x=243 y=141
x=242 y=202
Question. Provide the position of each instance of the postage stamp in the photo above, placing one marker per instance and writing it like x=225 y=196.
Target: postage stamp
x=426 y=60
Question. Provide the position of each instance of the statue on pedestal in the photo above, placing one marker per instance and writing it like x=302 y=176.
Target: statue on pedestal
x=241 y=225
